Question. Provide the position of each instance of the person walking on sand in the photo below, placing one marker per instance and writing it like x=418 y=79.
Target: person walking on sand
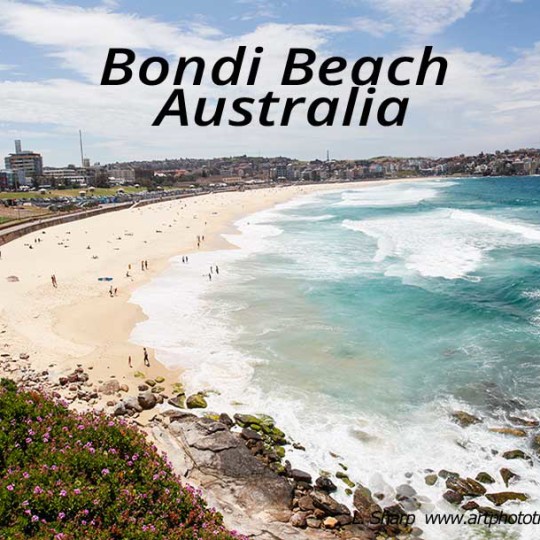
x=146 y=360
x=217 y=269
x=209 y=277
x=142 y=266
x=129 y=361
x=146 y=265
x=110 y=291
x=116 y=291
x=53 y=280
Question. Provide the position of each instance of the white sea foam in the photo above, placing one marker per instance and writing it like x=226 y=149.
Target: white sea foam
x=188 y=327
x=442 y=243
x=392 y=195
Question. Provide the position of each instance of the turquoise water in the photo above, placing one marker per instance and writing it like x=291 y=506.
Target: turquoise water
x=362 y=318
x=436 y=293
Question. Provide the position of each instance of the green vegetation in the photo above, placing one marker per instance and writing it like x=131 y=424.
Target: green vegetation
x=57 y=193
x=5 y=220
x=72 y=476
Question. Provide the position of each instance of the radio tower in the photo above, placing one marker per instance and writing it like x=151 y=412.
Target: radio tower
x=82 y=153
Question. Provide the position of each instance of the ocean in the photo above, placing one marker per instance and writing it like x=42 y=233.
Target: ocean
x=360 y=319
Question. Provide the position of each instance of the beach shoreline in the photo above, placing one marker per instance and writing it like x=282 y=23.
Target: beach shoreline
x=78 y=324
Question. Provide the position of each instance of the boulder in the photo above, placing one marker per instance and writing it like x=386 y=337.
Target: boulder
x=132 y=403
x=485 y=478
x=325 y=484
x=453 y=497
x=298 y=519
x=514 y=432
x=120 y=410
x=527 y=422
x=327 y=504
x=536 y=444
x=345 y=479
x=465 y=419
x=24 y=356
x=313 y=523
x=160 y=379
x=507 y=475
x=516 y=454
x=466 y=487
x=330 y=523
x=110 y=387
x=178 y=401
x=150 y=382
x=306 y=503
x=431 y=479
x=225 y=419
x=504 y=496
x=147 y=400
x=196 y=401
x=365 y=505
x=250 y=435
x=301 y=476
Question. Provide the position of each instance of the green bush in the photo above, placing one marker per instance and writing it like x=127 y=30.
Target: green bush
x=69 y=476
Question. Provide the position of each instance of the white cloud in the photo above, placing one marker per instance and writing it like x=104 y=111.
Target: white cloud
x=485 y=103
x=418 y=18
x=372 y=26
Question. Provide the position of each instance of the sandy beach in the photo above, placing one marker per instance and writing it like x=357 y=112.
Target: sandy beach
x=79 y=323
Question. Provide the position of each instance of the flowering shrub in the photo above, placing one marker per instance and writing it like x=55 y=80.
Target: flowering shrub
x=68 y=476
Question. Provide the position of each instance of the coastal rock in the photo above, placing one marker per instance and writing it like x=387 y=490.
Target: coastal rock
x=330 y=523
x=313 y=523
x=485 y=478
x=246 y=420
x=345 y=479
x=132 y=403
x=250 y=435
x=465 y=419
x=143 y=387
x=325 y=484
x=431 y=479
x=536 y=444
x=225 y=419
x=147 y=400
x=196 y=401
x=329 y=505
x=527 y=422
x=24 y=356
x=300 y=476
x=120 y=410
x=178 y=401
x=160 y=379
x=516 y=454
x=471 y=505
x=306 y=503
x=443 y=473
x=507 y=475
x=504 y=496
x=109 y=388
x=514 y=432
x=466 y=487
x=150 y=382
x=299 y=519
x=229 y=467
x=453 y=497
x=365 y=505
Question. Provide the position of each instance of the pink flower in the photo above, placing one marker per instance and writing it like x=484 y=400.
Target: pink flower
x=105 y=472
x=11 y=487
x=77 y=491
x=37 y=490
x=63 y=493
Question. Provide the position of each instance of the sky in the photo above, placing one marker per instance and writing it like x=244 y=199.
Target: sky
x=52 y=55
